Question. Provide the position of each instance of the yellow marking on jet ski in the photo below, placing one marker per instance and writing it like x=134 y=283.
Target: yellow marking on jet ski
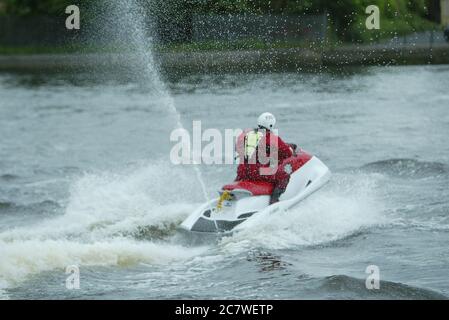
x=225 y=196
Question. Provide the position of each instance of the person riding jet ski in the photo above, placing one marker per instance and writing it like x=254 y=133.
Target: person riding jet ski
x=261 y=153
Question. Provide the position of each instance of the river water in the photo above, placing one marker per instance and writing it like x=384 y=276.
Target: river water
x=86 y=181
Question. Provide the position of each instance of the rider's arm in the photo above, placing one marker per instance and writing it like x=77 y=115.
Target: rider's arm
x=285 y=151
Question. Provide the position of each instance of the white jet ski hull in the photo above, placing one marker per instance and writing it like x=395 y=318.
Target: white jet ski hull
x=209 y=218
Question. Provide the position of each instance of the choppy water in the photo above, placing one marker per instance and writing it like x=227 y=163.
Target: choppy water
x=85 y=179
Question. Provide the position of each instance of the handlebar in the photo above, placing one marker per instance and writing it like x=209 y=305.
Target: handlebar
x=294 y=146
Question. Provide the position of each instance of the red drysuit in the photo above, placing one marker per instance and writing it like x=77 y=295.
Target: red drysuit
x=249 y=167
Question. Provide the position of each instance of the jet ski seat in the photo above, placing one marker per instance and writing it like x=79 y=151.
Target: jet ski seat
x=257 y=188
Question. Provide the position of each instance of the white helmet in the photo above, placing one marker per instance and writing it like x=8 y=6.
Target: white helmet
x=266 y=120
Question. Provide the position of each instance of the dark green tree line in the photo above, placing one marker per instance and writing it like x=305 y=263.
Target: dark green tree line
x=347 y=17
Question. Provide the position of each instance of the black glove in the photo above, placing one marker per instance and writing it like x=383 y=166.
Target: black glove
x=293 y=146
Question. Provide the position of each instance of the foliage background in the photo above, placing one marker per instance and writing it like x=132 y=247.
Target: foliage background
x=346 y=17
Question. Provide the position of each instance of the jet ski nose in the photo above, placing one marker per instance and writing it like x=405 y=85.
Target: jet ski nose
x=204 y=225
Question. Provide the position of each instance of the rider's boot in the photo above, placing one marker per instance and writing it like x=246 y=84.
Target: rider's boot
x=276 y=194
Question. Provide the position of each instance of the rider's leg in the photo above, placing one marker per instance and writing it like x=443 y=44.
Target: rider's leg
x=281 y=179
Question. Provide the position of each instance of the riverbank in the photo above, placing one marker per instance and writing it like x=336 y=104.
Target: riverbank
x=275 y=59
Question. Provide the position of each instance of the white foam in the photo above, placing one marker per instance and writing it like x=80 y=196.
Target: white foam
x=102 y=205
x=102 y=208
x=340 y=209
x=23 y=258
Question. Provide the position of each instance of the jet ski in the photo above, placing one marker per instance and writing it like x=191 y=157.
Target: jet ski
x=242 y=200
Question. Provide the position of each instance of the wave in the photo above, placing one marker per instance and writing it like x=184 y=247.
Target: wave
x=110 y=219
x=346 y=287
x=409 y=168
x=110 y=204
x=20 y=259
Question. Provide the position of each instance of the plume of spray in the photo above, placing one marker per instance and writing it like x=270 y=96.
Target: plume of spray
x=120 y=26
x=128 y=27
